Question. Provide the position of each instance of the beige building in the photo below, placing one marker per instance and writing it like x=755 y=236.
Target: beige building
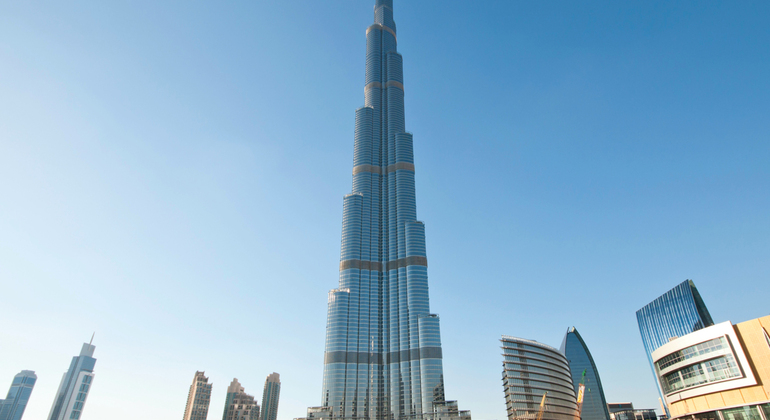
x=717 y=373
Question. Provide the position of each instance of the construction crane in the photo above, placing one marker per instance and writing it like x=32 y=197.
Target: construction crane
x=542 y=407
x=581 y=394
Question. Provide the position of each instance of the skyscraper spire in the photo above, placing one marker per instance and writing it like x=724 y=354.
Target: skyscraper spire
x=383 y=357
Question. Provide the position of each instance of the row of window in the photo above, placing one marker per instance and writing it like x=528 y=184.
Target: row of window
x=713 y=370
x=707 y=347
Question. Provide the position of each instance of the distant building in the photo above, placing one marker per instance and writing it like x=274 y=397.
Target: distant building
x=198 y=399
x=270 y=397
x=678 y=312
x=75 y=386
x=532 y=370
x=583 y=368
x=626 y=411
x=721 y=372
x=12 y=407
x=239 y=405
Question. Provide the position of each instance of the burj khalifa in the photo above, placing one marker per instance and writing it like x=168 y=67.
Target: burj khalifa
x=383 y=356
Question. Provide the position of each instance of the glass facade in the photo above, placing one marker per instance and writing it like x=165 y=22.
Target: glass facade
x=239 y=405
x=678 y=312
x=199 y=398
x=532 y=370
x=12 y=407
x=383 y=356
x=75 y=386
x=270 y=396
x=583 y=368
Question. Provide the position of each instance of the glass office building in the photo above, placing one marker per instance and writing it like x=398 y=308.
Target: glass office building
x=583 y=368
x=678 y=312
x=12 y=407
x=270 y=396
x=383 y=356
x=532 y=370
x=198 y=398
x=75 y=386
x=239 y=405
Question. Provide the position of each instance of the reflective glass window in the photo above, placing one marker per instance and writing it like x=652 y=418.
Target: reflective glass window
x=742 y=413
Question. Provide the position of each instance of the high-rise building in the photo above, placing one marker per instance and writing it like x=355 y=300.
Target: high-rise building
x=198 y=398
x=721 y=372
x=270 y=397
x=75 y=386
x=533 y=371
x=12 y=407
x=678 y=312
x=583 y=368
x=239 y=405
x=383 y=357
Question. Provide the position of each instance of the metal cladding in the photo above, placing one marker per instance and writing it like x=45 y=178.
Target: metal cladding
x=383 y=347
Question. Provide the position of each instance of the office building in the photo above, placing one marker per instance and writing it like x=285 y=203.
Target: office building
x=531 y=371
x=199 y=398
x=74 y=387
x=721 y=372
x=239 y=405
x=626 y=411
x=270 y=397
x=12 y=407
x=383 y=356
x=583 y=368
x=678 y=312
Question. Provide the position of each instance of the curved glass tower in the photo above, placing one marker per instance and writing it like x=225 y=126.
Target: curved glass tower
x=383 y=348
x=594 y=406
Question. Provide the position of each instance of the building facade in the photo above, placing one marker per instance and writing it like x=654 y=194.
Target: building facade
x=199 y=398
x=383 y=357
x=270 y=396
x=626 y=411
x=678 y=312
x=532 y=370
x=720 y=372
x=239 y=405
x=583 y=368
x=12 y=407
x=75 y=386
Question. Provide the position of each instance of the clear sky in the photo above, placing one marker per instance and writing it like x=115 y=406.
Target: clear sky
x=173 y=172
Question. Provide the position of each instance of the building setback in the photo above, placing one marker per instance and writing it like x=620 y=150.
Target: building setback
x=198 y=398
x=239 y=405
x=583 y=368
x=270 y=396
x=12 y=407
x=532 y=370
x=75 y=386
x=383 y=356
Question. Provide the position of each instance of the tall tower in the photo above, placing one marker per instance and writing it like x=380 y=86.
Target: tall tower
x=270 y=397
x=583 y=368
x=12 y=408
x=239 y=405
x=75 y=386
x=383 y=355
x=198 y=398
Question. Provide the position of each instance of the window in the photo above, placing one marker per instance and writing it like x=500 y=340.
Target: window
x=742 y=413
x=707 y=347
x=767 y=337
x=713 y=370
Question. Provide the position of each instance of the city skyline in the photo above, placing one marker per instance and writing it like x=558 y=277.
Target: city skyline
x=173 y=177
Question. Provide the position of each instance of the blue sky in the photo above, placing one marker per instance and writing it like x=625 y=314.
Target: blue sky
x=173 y=175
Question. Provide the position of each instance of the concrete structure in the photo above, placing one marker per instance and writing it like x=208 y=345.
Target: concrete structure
x=383 y=356
x=531 y=370
x=198 y=399
x=239 y=405
x=717 y=373
x=270 y=397
x=583 y=368
x=75 y=386
x=12 y=407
